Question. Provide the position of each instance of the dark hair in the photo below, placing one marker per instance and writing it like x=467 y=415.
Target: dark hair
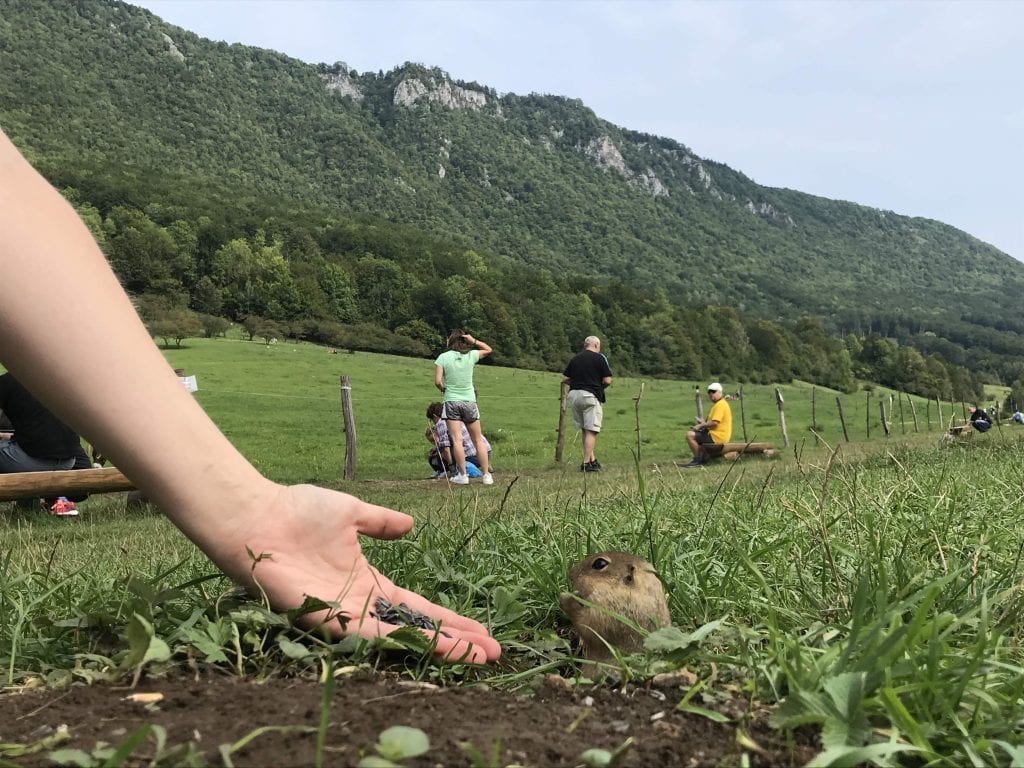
x=456 y=342
x=435 y=409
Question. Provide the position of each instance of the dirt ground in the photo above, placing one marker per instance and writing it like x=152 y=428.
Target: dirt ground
x=551 y=727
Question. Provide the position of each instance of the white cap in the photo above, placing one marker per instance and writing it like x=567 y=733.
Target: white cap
x=714 y=387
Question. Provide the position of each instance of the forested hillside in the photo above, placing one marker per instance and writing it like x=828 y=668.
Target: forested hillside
x=238 y=182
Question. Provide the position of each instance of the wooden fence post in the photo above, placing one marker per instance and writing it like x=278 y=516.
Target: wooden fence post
x=350 y=428
x=782 y=417
x=636 y=407
x=563 y=397
x=743 y=416
x=938 y=404
x=903 y=424
x=842 y=419
x=881 y=410
x=867 y=415
x=913 y=412
x=928 y=414
x=814 y=408
x=699 y=402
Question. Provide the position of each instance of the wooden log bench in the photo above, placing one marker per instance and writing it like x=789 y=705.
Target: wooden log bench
x=732 y=451
x=71 y=482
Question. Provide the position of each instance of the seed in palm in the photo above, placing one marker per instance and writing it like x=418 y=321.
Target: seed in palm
x=403 y=614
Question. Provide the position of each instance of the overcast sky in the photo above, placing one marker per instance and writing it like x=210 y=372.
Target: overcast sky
x=914 y=107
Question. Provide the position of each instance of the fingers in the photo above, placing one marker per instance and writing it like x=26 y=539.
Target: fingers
x=450 y=644
x=381 y=522
x=445 y=616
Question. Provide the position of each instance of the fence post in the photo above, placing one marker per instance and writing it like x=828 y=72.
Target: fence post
x=698 y=402
x=867 y=415
x=913 y=412
x=938 y=403
x=782 y=417
x=903 y=424
x=636 y=400
x=563 y=396
x=743 y=416
x=881 y=410
x=350 y=428
x=842 y=419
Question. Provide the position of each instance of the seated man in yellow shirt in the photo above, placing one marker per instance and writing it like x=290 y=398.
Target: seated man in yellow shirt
x=716 y=428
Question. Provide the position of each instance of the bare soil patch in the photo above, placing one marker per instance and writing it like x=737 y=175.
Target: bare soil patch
x=551 y=727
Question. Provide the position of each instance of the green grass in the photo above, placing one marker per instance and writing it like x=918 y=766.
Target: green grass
x=281 y=405
x=873 y=587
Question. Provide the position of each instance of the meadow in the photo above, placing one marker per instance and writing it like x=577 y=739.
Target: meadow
x=867 y=589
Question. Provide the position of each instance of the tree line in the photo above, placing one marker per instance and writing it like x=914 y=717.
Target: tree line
x=372 y=285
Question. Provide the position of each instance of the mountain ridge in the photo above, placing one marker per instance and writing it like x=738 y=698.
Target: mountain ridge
x=539 y=179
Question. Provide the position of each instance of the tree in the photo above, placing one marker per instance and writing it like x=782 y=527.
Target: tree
x=214 y=325
x=269 y=331
x=176 y=325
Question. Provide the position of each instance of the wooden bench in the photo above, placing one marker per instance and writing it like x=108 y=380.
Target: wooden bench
x=71 y=482
x=732 y=451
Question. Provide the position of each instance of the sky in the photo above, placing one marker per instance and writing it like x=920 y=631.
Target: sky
x=913 y=107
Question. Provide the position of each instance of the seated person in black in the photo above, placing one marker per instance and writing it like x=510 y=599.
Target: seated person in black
x=980 y=419
x=39 y=441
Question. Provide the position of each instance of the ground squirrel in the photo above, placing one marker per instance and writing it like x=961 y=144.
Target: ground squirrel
x=617 y=584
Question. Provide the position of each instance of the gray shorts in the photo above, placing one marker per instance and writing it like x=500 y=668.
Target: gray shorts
x=587 y=411
x=461 y=410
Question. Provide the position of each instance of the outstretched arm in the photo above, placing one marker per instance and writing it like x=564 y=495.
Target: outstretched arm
x=158 y=435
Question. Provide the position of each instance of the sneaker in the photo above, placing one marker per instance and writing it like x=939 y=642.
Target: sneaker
x=438 y=475
x=487 y=479
x=458 y=479
x=695 y=462
x=591 y=466
x=63 y=508
x=595 y=466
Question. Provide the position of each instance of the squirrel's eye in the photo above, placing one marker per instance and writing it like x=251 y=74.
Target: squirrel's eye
x=600 y=564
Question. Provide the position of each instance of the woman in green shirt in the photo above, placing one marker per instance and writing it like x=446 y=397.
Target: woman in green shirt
x=453 y=375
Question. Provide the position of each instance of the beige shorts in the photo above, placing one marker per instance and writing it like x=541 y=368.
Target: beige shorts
x=587 y=411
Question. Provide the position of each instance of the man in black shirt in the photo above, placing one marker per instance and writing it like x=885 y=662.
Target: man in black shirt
x=587 y=375
x=41 y=441
x=980 y=419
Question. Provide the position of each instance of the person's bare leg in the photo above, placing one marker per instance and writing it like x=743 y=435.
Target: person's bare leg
x=477 y=435
x=589 y=441
x=691 y=438
x=455 y=438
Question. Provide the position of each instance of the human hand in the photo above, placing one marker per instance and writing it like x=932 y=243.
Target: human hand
x=306 y=541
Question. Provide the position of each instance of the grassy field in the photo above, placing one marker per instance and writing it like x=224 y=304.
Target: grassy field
x=281 y=405
x=871 y=587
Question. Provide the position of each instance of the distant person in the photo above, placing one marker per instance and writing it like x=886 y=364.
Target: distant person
x=39 y=441
x=715 y=429
x=453 y=375
x=441 y=457
x=980 y=420
x=104 y=377
x=1018 y=417
x=588 y=375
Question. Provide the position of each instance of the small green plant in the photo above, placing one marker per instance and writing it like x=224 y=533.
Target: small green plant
x=397 y=743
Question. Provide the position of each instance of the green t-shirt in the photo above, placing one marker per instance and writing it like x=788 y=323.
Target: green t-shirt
x=458 y=374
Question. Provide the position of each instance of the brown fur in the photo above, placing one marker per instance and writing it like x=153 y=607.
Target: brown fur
x=626 y=585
